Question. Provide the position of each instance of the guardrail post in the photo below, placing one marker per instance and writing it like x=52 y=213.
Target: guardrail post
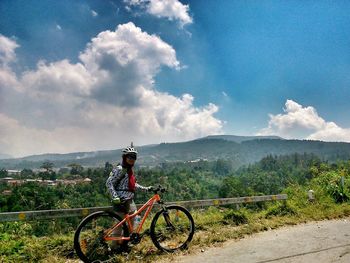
x=311 y=196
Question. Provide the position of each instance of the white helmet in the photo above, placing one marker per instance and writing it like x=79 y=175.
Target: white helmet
x=130 y=150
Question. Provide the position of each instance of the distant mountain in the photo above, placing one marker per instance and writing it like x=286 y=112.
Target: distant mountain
x=5 y=156
x=240 y=150
x=239 y=139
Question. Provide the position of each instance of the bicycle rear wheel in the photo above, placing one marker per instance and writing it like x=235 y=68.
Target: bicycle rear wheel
x=172 y=228
x=89 y=242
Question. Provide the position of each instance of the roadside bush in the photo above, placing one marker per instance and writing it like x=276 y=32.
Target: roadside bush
x=330 y=183
x=236 y=217
x=281 y=209
x=297 y=195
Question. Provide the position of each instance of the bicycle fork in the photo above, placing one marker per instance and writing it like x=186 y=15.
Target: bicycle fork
x=167 y=219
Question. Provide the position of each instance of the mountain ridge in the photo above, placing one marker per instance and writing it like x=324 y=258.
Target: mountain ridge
x=240 y=138
x=241 y=150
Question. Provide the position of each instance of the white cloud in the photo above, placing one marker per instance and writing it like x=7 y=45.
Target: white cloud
x=8 y=79
x=58 y=79
x=123 y=60
x=7 y=50
x=94 y=13
x=102 y=102
x=20 y=140
x=176 y=118
x=304 y=123
x=170 y=9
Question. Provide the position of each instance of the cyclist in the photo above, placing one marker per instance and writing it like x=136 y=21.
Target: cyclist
x=122 y=184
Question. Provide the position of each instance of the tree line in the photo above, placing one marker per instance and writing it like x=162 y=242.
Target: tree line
x=183 y=180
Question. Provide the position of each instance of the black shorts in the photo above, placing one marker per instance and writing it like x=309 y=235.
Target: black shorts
x=126 y=207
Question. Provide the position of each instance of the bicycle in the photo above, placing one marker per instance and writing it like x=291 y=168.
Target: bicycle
x=103 y=234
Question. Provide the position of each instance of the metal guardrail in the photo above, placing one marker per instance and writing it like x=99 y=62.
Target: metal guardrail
x=82 y=212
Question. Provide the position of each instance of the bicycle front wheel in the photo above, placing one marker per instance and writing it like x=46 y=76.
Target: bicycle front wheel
x=172 y=228
x=89 y=241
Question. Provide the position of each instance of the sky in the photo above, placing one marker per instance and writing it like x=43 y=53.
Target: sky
x=90 y=75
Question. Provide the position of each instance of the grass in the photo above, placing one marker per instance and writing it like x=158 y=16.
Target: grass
x=214 y=226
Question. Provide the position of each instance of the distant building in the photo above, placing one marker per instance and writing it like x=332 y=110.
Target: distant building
x=13 y=172
x=197 y=161
x=74 y=181
x=66 y=182
x=14 y=182
x=87 y=180
x=11 y=181
x=6 y=192
x=5 y=179
x=32 y=180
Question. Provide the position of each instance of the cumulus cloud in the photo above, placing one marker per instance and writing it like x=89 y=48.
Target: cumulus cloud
x=304 y=123
x=103 y=101
x=170 y=9
x=7 y=50
x=8 y=79
x=58 y=79
x=124 y=60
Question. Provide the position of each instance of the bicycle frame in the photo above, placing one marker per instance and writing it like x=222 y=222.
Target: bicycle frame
x=128 y=220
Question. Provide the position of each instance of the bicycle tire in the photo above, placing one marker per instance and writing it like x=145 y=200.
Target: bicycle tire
x=88 y=242
x=172 y=228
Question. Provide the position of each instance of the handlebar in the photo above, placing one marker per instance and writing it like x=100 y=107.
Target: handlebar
x=158 y=188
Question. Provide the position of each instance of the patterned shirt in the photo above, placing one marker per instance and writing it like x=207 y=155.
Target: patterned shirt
x=118 y=184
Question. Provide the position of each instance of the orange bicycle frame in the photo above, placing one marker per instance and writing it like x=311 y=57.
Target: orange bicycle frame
x=128 y=219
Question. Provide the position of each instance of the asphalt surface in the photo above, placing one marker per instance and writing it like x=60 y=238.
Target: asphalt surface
x=317 y=242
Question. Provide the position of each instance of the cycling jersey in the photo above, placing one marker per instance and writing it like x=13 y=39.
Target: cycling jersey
x=118 y=184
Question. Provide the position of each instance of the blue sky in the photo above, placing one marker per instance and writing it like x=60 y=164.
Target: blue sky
x=153 y=71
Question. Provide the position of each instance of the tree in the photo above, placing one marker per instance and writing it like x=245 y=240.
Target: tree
x=48 y=174
x=76 y=169
x=108 y=169
x=48 y=166
x=232 y=186
x=3 y=173
x=222 y=167
x=27 y=173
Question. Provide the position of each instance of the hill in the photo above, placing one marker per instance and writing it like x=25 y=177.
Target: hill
x=239 y=139
x=5 y=156
x=239 y=149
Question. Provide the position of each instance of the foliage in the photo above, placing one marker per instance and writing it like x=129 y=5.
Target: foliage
x=270 y=175
x=48 y=166
x=282 y=209
x=3 y=173
x=75 y=168
x=292 y=174
x=27 y=173
x=236 y=217
x=331 y=183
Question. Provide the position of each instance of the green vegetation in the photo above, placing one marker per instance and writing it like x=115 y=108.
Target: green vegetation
x=295 y=175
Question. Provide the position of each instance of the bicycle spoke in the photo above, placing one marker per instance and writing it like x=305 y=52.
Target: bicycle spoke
x=90 y=241
x=172 y=229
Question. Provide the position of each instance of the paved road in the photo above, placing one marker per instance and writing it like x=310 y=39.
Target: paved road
x=320 y=242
